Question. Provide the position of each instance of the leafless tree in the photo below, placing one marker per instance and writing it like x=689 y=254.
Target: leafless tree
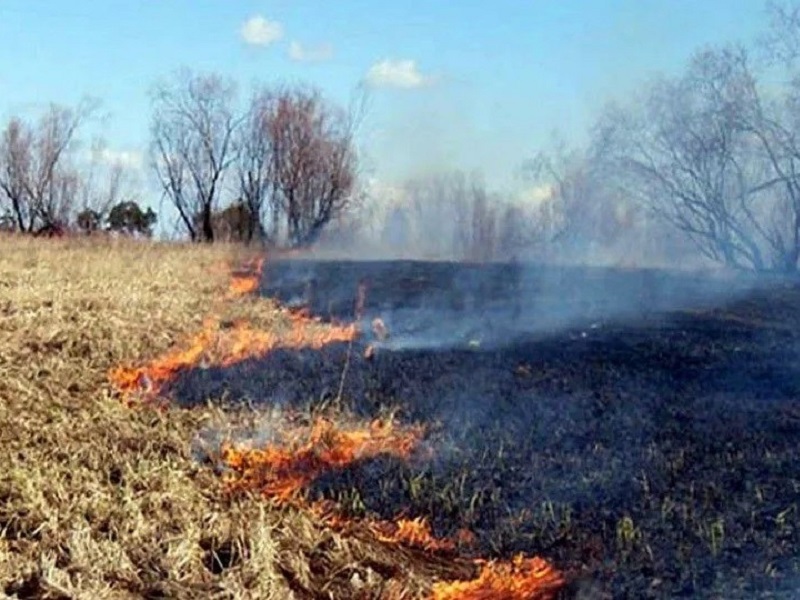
x=453 y=214
x=314 y=165
x=774 y=195
x=104 y=183
x=781 y=41
x=193 y=128
x=773 y=121
x=476 y=215
x=432 y=209
x=575 y=209
x=36 y=178
x=701 y=152
x=17 y=172
x=562 y=178
x=255 y=166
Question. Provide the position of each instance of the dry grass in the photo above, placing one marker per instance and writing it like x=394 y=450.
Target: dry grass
x=102 y=501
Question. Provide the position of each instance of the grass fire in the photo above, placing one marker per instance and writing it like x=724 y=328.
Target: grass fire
x=229 y=432
x=283 y=472
x=379 y=331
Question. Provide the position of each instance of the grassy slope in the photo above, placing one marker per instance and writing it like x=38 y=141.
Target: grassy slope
x=101 y=501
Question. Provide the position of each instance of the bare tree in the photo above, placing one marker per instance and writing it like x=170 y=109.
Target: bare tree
x=694 y=152
x=17 y=171
x=452 y=214
x=476 y=216
x=255 y=166
x=36 y=178
x=773 y=121
x=313 y=162
x=434 y=215
x=104 y=183
x=781 y=41
x=575 y=208
x=563 y=181
x=773 y=203
x=193 y=128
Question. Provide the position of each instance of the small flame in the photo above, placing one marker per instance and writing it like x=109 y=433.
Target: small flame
x=411 y=532
x=282 y=472
x=521 y=579
x=216 y=345
x=246 y=280
x=164 y=368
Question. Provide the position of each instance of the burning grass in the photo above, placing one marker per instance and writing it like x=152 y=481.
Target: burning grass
x=222 y=343
x=657 y=456
x=105 y=499
x=688 y=491
x=282 y=472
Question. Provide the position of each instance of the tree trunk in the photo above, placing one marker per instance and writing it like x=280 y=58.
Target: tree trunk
x=208 y=225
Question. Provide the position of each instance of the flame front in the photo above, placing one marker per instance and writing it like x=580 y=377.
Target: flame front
x=282 y=472
x=223 y=346
x=521 y=579
x=153 y=376
x=246 y=281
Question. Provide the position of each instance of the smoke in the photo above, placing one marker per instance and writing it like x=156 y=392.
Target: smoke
x=566 y=405
x=243 y=428
x=457 y=216
x=440 y=304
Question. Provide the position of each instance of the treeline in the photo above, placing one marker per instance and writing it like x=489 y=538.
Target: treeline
x=451 y=214
x=704 y=163
x=712 y=152
x=45 y=188
x=277 y=171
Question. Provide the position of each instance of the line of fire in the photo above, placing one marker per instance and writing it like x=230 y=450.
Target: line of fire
x=282 y=471
x=513 y=431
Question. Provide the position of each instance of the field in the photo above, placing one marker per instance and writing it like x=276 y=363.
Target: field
x=167 y=433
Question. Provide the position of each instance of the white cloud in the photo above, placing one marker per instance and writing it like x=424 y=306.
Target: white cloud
x=258 y=31
x=397 y=73
x=300 y=53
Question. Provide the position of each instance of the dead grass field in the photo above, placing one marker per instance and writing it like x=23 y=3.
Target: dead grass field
x=100 y=499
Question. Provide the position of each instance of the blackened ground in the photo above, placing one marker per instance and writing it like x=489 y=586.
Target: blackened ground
x=445 y=304
x=645 y=436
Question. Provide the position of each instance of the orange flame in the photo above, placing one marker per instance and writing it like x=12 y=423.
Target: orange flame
x=283 y=472
x=411 y=532
x=521 y=579
x=161 y=370
x=246 y=281
x=216 y=345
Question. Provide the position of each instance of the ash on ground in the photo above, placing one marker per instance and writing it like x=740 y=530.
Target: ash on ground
x=636 y=428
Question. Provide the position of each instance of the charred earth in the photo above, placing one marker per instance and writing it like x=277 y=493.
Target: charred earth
x=639 y=429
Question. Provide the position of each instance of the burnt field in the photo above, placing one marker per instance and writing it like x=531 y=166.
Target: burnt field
x=637 y=428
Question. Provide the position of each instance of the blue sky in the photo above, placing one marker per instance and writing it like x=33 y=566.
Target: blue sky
x=464 y=84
